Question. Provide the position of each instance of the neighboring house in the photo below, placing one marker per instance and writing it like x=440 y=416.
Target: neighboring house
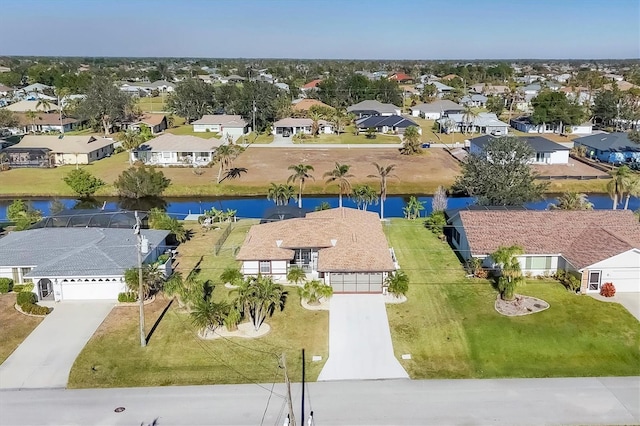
x=24 y=106
x=36 y=87
x=76 y=263
x=475 y=100
x=483 y=123
x=45 y=122
x=612 y=148
x=597 y=245
x=226 y=126
x=157 y=123
x=488 y=89
x=282 y=86
x=93 y=218
x=303 y=105
x=177 y=150
x=370 y=107
x=622 y=85
x=437 y=109
x=386 y=124
x=345 y=248
x=401 y=78
x=525 y=125
x=5 y=90
x=441 y=88
x=61 y=150
x=292 y=126
x=545 y=151
x=312 y=85
x=162 y=86
x=232 y=79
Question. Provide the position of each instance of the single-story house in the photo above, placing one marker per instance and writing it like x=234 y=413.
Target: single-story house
x=177 y=150
x=24 y=106
x=437 y=109
x=545 y=151
x=226 y=126
x=345 y=248
x=157 y=123
x=401 y=78
x=474 y=100
x=441 y=88
x=5 y=90
x=36 y=87
x=161 y=86
x=59 y=150
x=93 y=218
x=525 y=125
x=312 y=85
x=371 y=107
x=45 y=122
x=386 y=124
x=303 y=105
x=292 y=126
x=488 y=89
x=599 y=246
x=484 y=123
x=612 y=148
x=77 y=263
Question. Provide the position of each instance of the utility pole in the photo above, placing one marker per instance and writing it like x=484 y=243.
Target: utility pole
x=138 y=233
x=254 y=117
x=302 y=403
x=291 y=417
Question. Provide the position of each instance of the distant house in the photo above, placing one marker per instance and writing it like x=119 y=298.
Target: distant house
x=386 y=124
x=293 y=126
x=483 y=123
x=488 y=89
x=303 y=105
x=437 y=109
x=157 y=123
x=615 y=148
x=312 y=85
x=525 y=125
x=370 y=107
x=45 y=151
x=45 y=122
x=5 y=90
x=545 y=151
x=475 y=100
x=227 y=126
x=24 y=106
x=598 y=246
x=441 y=88
x=177 y=150
x=345 y=248
x=233 y=78
x=401 y=78
x=162 y=86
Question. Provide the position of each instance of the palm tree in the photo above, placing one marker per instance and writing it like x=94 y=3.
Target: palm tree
x=383 y=174
x=32 y=115
x=61 y=93
x=258 y=297
x=469 y=115
x=300 y=173
x=397 y=283
x=225 y=155
x=633 y=190
x=233 y=173
x=315 y=119
x=340 y=118
x=44 y=103
x=619 y=183
x=4 y=159
x=208 y=315
x=131 y=141
x=280 y=193
x=363 y=195
x=413 y=208
x=341 y=175
x=572 y=201
x=296 y=275
x=411 y=139
x=315 y=290
x=511 y=274
x=231 y=276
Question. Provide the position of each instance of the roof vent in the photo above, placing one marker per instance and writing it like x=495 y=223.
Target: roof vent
x=278 y=243
x=333 y=242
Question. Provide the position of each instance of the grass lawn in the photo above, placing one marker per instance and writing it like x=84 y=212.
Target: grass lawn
x=451 y=329
x=15 y=326
x=261 y=138
x=152 y=104
x=428 y=135
x=187 y=129
x=176 y=356
x=348 y=137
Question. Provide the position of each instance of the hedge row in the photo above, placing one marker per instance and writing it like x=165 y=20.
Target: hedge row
x=33 y=309
x=128 y=296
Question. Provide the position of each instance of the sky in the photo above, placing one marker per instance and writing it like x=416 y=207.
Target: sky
x=324 y=29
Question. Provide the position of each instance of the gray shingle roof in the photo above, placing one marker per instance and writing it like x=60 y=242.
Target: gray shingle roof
x=537 y=143
x=609 y=142
x=75 y=252
x=370 y=105
x=438 y=106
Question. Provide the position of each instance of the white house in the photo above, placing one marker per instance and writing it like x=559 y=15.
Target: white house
x=597 y=246
x=474 y=100
x=525 y=125
x=44 y=122
x=544 y=150
x=76 y=263
x=233 y=126
x=345 y=248
x=437 y=109
x=62 y=150
x=483 y=123
x=293 y=126
x=177 y=150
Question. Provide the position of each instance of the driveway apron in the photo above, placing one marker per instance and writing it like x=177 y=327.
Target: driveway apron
x=360 y=345
x=46 y=356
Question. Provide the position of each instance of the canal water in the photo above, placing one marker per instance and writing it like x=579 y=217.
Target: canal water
x=254 y=207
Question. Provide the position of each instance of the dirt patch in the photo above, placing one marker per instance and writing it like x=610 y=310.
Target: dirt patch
x=245 y=330
x=521 y=305
x=15 y=326
x=322 y=306
x=573 y=168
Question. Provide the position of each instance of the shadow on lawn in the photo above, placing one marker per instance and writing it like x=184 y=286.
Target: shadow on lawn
x=155 y=325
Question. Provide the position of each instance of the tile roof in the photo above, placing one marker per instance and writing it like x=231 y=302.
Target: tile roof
x=298 y=122
x=68 y=252
x=23 y=106
x=360 y=243
x=169 y=142
x=582 y=237
x=44 y=118
x=67 y=144
x=152 y=119
x=306 y=104
x=312 y=84
x=222 y=119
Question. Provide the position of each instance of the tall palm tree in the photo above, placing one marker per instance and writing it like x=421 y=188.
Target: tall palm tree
x=32 y=115
x=384 y=172
x=44 y=103
x=411 y=141
x=130 y=141
x=225 y=155
x=340 y=174
x=315 y=117
x=619 y=183
x=301 y=174
x=280 y=193
x=572 y=201
x=633 y=190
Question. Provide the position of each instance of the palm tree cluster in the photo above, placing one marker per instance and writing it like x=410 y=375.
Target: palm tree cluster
x=413 y=208
x=625 y=183
x=572 y=201
x=258 y=297
x=280 y=193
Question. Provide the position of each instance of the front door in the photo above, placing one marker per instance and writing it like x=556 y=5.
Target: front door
x=594 y=280
x=45 y=289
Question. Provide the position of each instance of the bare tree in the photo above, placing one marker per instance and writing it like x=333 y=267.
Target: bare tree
x=439 y=201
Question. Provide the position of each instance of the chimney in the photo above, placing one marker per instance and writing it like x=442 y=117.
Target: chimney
x=278 y=243
x=333 y=242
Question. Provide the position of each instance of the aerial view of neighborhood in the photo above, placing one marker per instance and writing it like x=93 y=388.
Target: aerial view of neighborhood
x=281 y=212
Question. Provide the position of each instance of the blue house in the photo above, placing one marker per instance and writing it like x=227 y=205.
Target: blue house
x=614 y=148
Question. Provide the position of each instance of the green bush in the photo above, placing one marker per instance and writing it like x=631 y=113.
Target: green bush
x=127 y=297
x=27 y=287
x=6 y=285
x=26 y=297
x=33 y=309
x=162 y=259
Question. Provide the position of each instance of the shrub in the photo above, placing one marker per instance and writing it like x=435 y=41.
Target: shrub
x=162 y=259
x=398 y=283
x=18 y=288
x=127 y=297
x=435 y=223
x=27 y=287
x=6 y=285
x=607 y=290
x=34 y=309
x=568 y=279
x=26 y=297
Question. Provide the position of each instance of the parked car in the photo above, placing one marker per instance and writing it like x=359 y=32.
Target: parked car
x=426 y=145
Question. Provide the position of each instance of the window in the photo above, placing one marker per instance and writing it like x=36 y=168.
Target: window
x=594 y=280
x=265 y=267
x=455 y=234
x=166 y=155
x=540 y=157
x=538 y=262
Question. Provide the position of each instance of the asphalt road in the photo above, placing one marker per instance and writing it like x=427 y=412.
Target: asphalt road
x=392 y=402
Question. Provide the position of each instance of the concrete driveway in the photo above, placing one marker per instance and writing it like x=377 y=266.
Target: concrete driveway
x=631 y=301
x=360 y=345
x=45 y=357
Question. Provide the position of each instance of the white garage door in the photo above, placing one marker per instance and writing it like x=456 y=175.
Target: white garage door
x=351 y=282
x=91 y=290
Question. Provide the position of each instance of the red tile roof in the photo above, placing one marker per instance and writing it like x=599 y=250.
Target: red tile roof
x=312 y=84
x=400 y=76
